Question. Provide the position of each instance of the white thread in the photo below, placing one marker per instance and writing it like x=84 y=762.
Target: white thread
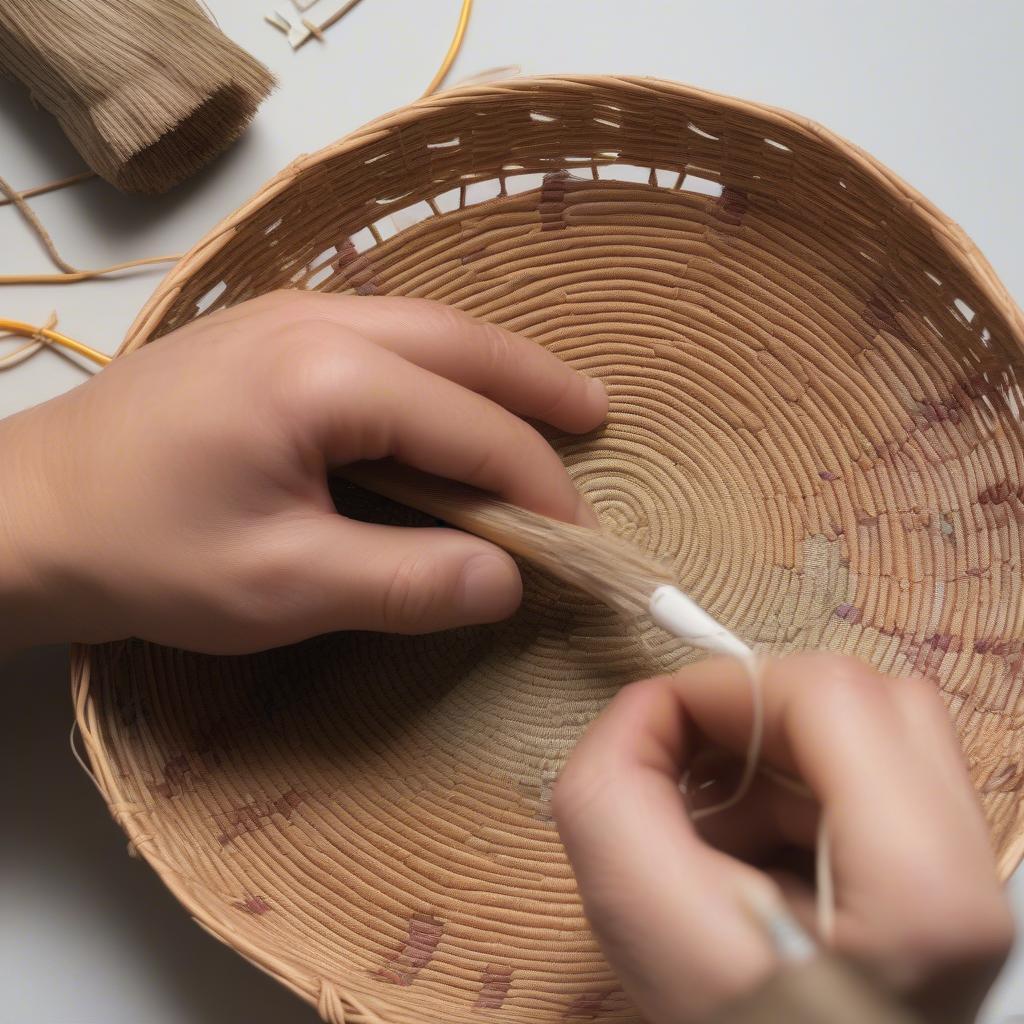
x=752 y=666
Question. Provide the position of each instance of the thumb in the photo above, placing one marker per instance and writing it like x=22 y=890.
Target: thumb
x=398 y=579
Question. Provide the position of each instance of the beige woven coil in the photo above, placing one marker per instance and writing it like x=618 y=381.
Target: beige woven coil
x=803 y=357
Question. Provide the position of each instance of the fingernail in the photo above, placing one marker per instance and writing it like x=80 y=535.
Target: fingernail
x=598 y=394
x=489 y=589
x=585 y=514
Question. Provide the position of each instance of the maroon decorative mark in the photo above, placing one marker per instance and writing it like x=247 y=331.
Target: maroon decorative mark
x=997 y=647
x=552 y=200
x=1000 y=492
x=351 y=264
x=828 y=475
x=175 y=772
x=287 y=803
x=424 y=935
x=214 y=740
x=941 y=412
x=588 y=1005
x=494 y=987
x=945 y=642
x=128 y=708
x=255 y=905
x=878 y=314
x=255 y=816
x=732 y=205
x=978 y=386
x=1008 y=779
x=848 y=613
x=926 y=657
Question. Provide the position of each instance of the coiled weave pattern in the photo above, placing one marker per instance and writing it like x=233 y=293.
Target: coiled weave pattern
x=807 y=366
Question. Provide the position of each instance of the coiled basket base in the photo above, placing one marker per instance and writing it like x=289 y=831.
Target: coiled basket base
x=806 y=363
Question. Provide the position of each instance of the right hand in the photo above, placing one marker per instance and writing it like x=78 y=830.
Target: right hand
x=916 y=894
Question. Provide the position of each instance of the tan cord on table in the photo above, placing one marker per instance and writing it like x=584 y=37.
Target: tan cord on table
x=40 y=232
x=52 y=186
x=86 y=275
x=69 y=274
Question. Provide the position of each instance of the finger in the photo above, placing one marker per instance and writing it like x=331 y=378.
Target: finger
x=511 y=370
x=663 y=904
x=402 y=580
x=367 y=404
x=906 y=857
x=769 y=818
x=834 y=723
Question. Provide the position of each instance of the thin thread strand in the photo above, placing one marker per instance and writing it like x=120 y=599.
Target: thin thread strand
x=754 y=670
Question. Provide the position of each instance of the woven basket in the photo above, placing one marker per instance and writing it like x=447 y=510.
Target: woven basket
x=803 y=357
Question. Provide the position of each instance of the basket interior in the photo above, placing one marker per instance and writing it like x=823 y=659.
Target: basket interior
x=803 y=377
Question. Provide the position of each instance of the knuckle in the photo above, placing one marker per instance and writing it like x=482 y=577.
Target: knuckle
x=838 y=677
x=921 y=694
x=315 y=360
x=984 y=930
x=266 y=580
x=437 y=317
x=286 y=306
x=563 y=389
x=592 y=771
x=411 y=594
x=501 y=355
x=575 y=789
x=484 y=471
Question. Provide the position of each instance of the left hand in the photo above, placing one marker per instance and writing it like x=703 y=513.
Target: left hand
x=181 y=495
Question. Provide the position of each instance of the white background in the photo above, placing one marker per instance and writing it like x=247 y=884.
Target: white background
x=931 y=87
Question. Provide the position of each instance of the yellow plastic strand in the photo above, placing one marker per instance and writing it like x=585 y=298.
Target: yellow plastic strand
x=453 y=50
x=55 y=338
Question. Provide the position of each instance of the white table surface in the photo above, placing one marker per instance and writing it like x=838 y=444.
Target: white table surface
x=931 y=87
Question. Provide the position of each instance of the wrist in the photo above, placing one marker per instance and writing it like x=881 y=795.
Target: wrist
x=26 y=613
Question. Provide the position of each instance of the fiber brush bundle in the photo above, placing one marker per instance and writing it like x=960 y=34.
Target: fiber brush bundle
x=146 y=90
x=812 y=432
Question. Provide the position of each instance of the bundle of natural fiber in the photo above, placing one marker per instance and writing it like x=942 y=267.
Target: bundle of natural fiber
x=147 y=90
x=812 y=377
